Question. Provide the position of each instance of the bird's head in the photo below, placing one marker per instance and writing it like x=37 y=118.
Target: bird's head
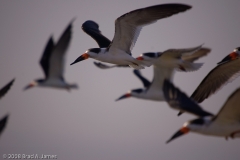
x=92 y=53
x=232 y=56
x=192 y=125
x=149 y=56
x=184 y=130
x=33 y=84
x=132 y=93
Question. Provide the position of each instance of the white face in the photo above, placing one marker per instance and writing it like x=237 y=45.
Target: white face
x=150 y=55
x=202 y=125
x=95 y=52
x=237 y=50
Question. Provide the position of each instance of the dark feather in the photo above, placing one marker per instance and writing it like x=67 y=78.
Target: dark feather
x=179 y=100
x=145 y=82
x=6 y=88
x=45 y=60
x=92 y=29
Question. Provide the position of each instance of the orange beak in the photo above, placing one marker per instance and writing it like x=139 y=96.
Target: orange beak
x=28 y=86
x=81 y=58
x=229 y=57
x=182 y=131
x=127 y=95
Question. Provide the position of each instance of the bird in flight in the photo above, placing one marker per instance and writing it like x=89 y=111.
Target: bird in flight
x=224 y=124
x=127 y=30
x=52 y=63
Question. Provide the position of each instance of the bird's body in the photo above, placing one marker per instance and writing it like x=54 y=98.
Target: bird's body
x=52 y=63
x=127 y=30
x=114 y=56
x=211 y=128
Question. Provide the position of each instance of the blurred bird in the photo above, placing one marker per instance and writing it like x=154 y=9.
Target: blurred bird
x=224 y=124
x=52 y=63
x=3 y=91
x=127 y=30
x=226 y=71
x=164 y=65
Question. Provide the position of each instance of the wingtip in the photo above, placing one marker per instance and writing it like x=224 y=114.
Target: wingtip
x=90 y=27
x=5 y=118
x=185 y=6
x=13 y=80
x=73 y=19
x=179 y=114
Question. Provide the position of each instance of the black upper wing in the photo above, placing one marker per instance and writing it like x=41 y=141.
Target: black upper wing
x=45 y=60
x=3 y=123
x=5 y=89
x=92 y=29
x=145 y=82
x=179 y=100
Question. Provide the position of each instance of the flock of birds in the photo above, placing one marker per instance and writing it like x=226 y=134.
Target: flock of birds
x=118 y=51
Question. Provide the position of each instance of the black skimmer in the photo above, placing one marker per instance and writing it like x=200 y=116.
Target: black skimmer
x=224 y=124
x=52 y=63
x=3 y=91
x=164 y=65
x=127 y=30
x=226 y=71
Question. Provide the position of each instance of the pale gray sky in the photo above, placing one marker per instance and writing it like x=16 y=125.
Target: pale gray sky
x=87 y=124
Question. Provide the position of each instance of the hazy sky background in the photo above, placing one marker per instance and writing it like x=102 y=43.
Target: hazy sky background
x=87 y=124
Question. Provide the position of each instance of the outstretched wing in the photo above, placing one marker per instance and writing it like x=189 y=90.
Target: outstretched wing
x=6 y=88
x=230 y=112
x=129 y=25
x=181 y=53
x=196 y=55
x=216 y=78
x=3 y=123
x=45 y=60
x=92 y=29
x=56 y=66
x=180 y=101
x=146 y=83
